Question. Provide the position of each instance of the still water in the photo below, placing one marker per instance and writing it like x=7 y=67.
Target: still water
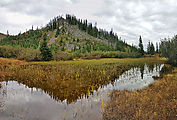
x=19 y=102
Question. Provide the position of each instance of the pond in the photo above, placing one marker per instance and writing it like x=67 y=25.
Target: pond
x=19 y=102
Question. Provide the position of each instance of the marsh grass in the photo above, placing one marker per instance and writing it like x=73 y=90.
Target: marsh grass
x=157 y=101
x=69 y=80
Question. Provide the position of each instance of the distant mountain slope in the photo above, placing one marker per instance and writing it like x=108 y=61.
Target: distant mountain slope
x=70 y=35
x=2 y=36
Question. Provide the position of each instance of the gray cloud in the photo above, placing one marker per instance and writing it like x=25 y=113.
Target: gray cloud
x=153 y=19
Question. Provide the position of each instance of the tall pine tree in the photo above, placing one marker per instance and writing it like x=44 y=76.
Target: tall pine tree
x=141 y=49
x=45 y=51
x=157 y=48
x=152 y=49
x=148 y=47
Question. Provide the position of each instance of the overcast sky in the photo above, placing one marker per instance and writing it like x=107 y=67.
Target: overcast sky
x=153 y=19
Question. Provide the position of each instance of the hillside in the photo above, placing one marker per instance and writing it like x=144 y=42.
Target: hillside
x=72 y=36
x=2 y=36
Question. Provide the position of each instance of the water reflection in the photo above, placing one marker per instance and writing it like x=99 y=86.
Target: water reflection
x=142 y=71
x=137 y=77
x=22 y=102
x=19 y=101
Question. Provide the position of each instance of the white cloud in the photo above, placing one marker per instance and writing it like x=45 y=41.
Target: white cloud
x=146 y=25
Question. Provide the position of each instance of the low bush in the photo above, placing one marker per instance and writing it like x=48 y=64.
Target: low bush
x=63 y=56
x=92 y=55
x=27 y=54
x=118 y=54
x=9 y=51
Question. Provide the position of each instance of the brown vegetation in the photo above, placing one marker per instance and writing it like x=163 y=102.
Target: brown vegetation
x=157 y=101
x=6 y=63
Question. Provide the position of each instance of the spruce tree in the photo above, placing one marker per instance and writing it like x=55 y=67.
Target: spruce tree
x=7 y=33
x=152 y=49
x=141 y=50
x=57 y=33
x=148 y=47
x=45 y=51
x=117 y=45
x=157 y=48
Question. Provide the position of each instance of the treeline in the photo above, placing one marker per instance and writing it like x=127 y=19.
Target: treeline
x=92 y=29
x=168 y=48
x=55 y=23
x=151 y=48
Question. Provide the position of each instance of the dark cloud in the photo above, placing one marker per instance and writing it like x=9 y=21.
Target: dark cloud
x=153 y=19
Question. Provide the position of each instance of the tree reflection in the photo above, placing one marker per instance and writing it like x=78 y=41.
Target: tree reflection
x=150 y=67
x=142 y=71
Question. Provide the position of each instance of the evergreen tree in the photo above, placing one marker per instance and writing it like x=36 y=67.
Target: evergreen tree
x=45 y=51
x=7 y=33
x=157 y=48
x=148 y=47
x=117 y=45
x=90 y=29
x=57 y=33
x=63 y=48
x=141 y=50
x=152 y=49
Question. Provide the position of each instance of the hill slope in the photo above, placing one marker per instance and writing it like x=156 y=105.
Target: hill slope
x=70 y=36
x=2 y=36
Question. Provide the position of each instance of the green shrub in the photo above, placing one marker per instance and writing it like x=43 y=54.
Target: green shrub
x=29 y=54
x=118 y=54
x=77 y=54
x=93 y=55
x=60 y=55
x=9 y=51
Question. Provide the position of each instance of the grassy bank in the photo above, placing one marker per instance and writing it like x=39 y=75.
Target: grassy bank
x=157 y=101
x=70 y=79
